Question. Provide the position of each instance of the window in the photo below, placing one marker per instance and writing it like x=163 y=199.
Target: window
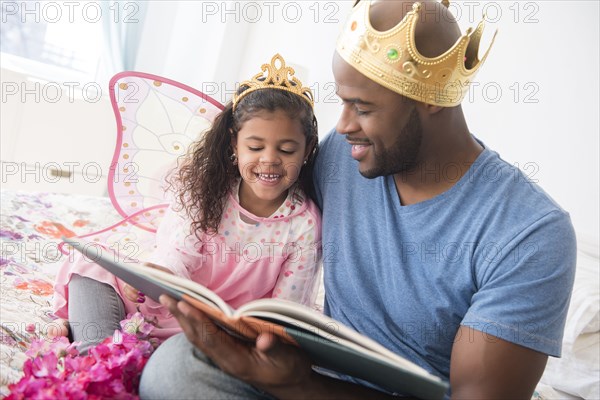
x=52 y=38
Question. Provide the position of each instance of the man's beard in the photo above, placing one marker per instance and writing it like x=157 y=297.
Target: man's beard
x=402 y=155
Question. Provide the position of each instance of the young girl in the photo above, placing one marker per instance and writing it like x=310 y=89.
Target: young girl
x=242 y=222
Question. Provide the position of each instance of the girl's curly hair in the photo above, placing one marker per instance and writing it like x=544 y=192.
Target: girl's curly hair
x=207 y=174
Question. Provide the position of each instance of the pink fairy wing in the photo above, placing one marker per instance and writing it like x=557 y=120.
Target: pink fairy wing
x=157 y=120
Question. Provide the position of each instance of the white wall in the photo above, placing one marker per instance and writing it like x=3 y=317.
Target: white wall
x=552 y=47
x=46 y=130
x=184 y=41
x=306 y=45
x=210 y=44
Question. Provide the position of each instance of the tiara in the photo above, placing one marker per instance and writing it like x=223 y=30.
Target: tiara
x=277 y=77
x=391 y=58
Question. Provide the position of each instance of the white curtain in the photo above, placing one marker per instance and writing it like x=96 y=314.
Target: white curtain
x=123 y=23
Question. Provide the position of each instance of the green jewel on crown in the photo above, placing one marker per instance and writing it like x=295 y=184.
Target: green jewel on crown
x=393 y=54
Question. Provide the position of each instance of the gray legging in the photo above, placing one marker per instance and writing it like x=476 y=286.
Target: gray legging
x=177 y=370
x=95 y=310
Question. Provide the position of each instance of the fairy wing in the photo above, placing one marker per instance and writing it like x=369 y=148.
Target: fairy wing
x=157 y=119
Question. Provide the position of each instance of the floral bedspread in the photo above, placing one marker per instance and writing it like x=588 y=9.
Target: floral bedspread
x=31 y=225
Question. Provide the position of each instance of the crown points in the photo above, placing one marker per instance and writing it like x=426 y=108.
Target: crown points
x=391 y=58
x=276 y=76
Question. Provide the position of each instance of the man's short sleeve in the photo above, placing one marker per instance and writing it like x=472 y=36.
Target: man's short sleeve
x=524 y=286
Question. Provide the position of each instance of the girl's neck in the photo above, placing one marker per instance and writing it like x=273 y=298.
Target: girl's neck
x=259 y=207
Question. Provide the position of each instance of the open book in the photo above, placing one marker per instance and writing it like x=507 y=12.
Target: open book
x=329 y=343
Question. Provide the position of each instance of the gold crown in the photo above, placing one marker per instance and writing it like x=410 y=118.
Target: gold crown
x=280 y=78
x=391 y=58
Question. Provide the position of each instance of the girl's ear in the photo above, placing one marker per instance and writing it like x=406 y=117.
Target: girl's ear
x=233 y=140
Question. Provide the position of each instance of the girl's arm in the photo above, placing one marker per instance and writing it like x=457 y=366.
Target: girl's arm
x=176 y=250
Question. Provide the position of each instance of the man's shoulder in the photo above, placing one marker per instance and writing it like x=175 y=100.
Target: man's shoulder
x=511 y=206
x=505 y=184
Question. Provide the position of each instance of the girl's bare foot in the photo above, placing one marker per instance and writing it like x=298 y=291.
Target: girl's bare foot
x=59 y=327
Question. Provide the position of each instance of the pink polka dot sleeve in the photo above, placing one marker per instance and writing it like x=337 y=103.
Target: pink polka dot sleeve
x=175 y=246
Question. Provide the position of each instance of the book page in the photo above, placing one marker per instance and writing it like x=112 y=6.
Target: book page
x=190 y=287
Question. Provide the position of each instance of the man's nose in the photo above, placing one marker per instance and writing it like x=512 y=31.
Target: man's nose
x=347 y=122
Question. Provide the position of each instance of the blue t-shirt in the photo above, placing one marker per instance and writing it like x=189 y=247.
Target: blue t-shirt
x=494 y=252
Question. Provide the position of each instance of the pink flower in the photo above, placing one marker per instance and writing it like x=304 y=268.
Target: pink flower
x=60 y=346
x=136 y=324
x=46 y=366
x=112 y=369
x=78 y=363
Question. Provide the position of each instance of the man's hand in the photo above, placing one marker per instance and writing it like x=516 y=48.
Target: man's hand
x=267 y=363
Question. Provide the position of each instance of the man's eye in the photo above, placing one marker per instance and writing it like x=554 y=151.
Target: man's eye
x=360 y=111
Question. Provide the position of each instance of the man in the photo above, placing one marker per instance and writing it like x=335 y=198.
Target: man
x=433 y=245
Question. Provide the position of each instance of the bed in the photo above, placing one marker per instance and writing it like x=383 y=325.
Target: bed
x=30 y=228
x=31 y=225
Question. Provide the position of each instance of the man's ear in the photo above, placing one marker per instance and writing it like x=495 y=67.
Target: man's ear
x=431 y=109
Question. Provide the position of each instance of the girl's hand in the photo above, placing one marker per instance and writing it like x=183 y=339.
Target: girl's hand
x=135 y=295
